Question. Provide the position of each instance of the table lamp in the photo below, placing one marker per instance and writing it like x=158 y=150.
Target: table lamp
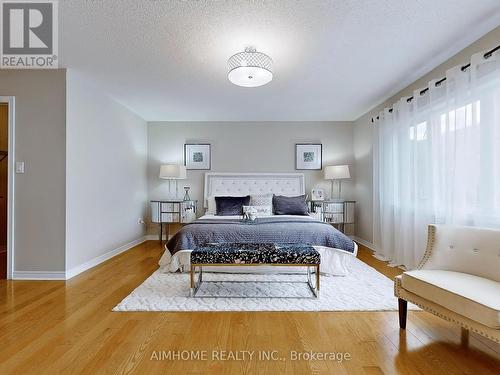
x=337 y=172
x=173 y=172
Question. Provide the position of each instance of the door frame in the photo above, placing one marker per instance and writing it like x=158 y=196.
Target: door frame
x=10 y=100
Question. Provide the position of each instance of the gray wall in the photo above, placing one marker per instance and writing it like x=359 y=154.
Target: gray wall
x=106 y=185
x=40 y=192
x=246 y=147
x=363 y=132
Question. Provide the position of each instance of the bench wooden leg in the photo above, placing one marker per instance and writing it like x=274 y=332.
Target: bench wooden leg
x=317 y=277
x=192 y=280
x=403 y=308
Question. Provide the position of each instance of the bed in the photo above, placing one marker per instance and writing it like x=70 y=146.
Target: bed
x=335 y=248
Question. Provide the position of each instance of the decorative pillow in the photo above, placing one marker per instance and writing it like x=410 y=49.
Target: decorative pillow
x=261 y=200
x=228 y=206
x=212 y=208
x=290 y=205
x=259 y=210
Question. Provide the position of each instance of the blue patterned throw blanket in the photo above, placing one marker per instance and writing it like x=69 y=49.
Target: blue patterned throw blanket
x=274 y=229
x=255 y=253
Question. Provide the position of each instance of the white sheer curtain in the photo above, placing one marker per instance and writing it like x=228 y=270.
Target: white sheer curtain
x=437 y=160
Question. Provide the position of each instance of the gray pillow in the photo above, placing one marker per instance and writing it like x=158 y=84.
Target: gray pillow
x=290 y=205
x=228 y=206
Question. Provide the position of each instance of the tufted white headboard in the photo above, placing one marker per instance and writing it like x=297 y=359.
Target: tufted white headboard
x=217 y=184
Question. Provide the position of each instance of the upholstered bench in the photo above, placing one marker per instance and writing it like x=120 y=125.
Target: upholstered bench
x=254 y=254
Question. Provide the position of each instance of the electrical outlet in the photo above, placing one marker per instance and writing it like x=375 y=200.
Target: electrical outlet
x=19 y=166
x=141 y=221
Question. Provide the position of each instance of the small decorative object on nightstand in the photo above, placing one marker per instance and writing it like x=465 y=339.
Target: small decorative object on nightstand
x=317 y=194
x=338 y=213
x=186 y=195
x=172 y=211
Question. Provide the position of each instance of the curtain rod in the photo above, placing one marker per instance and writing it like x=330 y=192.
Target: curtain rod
x=487 y=55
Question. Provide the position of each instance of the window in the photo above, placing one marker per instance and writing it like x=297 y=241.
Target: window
x=455 y=120
x=421 y=132
x=461 y=117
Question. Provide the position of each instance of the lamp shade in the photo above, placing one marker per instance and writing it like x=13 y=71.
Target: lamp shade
x=172 y=172
x=337 y=172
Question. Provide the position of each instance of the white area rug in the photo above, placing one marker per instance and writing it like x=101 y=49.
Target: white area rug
x=364 y=289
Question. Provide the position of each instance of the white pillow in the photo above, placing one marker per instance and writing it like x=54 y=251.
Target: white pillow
x=260 y=210
x=261 y=200
x=211 y=208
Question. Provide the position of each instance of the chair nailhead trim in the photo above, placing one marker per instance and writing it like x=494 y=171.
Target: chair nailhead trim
x=397 y=289
x=431 y=239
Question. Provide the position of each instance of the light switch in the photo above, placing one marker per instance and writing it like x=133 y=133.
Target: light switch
x=19 y=166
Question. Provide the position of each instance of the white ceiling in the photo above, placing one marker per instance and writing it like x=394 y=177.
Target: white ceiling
x=333 y=60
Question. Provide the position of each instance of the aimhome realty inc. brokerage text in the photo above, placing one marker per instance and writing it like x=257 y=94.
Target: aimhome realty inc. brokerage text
x=247 y=355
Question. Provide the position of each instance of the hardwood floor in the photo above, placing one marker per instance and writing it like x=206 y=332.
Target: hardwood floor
x=56 y=327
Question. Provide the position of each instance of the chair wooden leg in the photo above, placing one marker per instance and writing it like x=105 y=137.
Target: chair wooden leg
x=403 y=307
x=464 y=337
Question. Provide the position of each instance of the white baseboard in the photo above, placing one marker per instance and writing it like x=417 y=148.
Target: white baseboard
x=102 y=258
x=364 y=243
x=36 y=275
x=153 y=237
x=373 y=248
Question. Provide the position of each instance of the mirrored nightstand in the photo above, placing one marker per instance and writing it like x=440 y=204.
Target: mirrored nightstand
x=172 y=211
x=339 y=213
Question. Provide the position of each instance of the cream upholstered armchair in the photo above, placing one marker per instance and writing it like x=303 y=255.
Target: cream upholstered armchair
x=458 y=279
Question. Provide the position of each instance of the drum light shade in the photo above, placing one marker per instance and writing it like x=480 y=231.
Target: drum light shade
x=337 y=172
x=250 y=68
x=172 y=172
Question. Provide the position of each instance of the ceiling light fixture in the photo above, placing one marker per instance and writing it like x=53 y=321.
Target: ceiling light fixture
x=250 y=68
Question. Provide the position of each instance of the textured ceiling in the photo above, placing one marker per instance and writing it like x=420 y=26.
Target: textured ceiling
x=333 y=60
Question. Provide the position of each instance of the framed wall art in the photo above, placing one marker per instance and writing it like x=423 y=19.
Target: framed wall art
x=197 y=156
x=308 y=156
